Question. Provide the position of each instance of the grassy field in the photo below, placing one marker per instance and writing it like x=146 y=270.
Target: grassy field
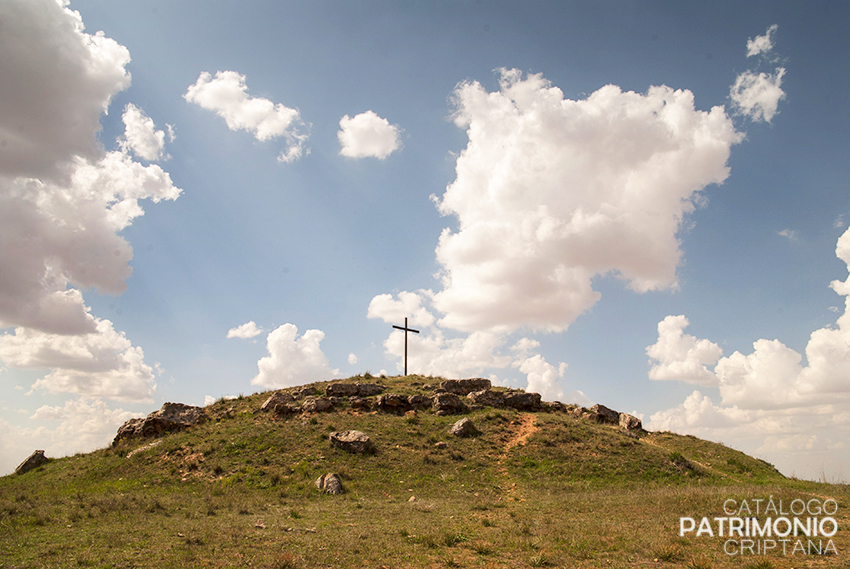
x=529 y=490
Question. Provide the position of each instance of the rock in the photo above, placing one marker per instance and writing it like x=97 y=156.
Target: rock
x=352 y=441
x=630 y=422
x=524 y=401
x=313 y=404
x=464 y=386
x=330 y=484
x=605 y=415
x=557 y=407
x=171 y=417
x=463 y=428
x=341 y=389
x=369 y=389
x=448 y=404
x=441 y=445
x=420 y=402
x=487 y=398
x=360 y=403
x=277 y=398
x=303 y=391
x=288 y=409
x=393 y=403
x=35 y=460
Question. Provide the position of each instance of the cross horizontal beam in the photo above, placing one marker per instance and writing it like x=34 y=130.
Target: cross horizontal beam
x=406 y=330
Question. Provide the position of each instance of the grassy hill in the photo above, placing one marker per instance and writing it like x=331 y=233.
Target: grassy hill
x=530 y=489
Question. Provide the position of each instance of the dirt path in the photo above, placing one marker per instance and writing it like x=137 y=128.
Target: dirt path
x=524 y=430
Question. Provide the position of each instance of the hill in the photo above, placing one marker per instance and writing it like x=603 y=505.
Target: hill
x=548 y=485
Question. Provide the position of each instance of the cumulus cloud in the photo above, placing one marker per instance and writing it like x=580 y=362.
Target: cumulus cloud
x=680 y=356
x=227 y=95
x=58 y=80
x=79 y=425
x=352 y=359
x=245 y=331
x=551 y=192
x=293 y=360
x=543 y=377
x=366 y=135
x=771 y=400
x=103 y=363
x=757 y=95
x=406 y=305
x=141 y=136
x=762 y=44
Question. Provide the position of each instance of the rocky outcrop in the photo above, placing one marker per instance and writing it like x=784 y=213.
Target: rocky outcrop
x=464 y=386
x=523 y=401
x=630 y=422
x=278 y=398
x=35 y=460
x=393 y=403
x=330 y=484
x=605 y=415
x=353 y=389
x=463 y=428
x=420 y=402
x=448 y=404
x=487 y=397
x=360 y=403
x=352 y=441
x=313 y=404
x=369 y=389
x=171 y=417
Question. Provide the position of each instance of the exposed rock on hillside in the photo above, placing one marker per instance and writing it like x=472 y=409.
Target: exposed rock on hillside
x=523 y=401
x=171 y=417
x=35 y=460
x=487 y=397
x=353 y=389
x=448 y=404
x=464 y=386
x=352 y=441
x=463 y=428
x=630 y=422
x=330 y=484
x=278 y=398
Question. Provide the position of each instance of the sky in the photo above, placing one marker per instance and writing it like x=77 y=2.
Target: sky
x=643 y=205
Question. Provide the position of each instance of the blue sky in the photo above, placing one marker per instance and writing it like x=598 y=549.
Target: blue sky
x=639 y=205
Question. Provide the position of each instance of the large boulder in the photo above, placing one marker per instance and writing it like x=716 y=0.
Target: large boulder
x=487 y=397
x=171 y=417
x=352 y=441
x=523 y=401
x=35 y=460
x=360 y=403
x=448 y=404
x=276 y=399
x=313 y=404
x=463 y=428
x=369 y=389
x=330 y=484
x=464 y=386
x=605 y=415
x=341 y=389
x=630 y=422
x=393 y=403
x=420 y=402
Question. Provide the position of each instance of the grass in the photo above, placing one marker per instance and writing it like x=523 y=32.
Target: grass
x=239 y=491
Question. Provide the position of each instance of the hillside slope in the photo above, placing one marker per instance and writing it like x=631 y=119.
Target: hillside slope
x=528 y=489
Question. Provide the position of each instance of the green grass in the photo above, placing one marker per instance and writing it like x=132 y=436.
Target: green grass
x=239 y=491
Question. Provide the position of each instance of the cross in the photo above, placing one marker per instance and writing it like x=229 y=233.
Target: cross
x=406 y=330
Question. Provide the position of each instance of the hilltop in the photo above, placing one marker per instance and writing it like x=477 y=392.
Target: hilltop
x=532 y=485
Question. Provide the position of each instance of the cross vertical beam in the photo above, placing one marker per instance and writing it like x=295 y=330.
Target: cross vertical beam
x=406 y=330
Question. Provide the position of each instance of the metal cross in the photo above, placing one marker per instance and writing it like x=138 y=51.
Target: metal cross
x=406 y=330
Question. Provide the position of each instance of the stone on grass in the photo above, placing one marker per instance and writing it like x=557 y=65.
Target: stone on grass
x=275 y=399
x=171 y=417
x=35 y=460
x=464 y=386
x=420 y=402
x=352 y=441
x=330 y=484
x=313 y=404
x=523 y=401
x=630 y=422
x=487 y=397
x=606 y=415
x=341 y=389
x=369 y=389
x=463 y=428
x=393 y=403
x=448 y=404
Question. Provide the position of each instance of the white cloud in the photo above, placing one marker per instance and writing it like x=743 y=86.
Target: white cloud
x=55 y=235
x=58 y=80
x=103 y=363
x=352 y=359
x=757 y=96
x=227 y=96
x=83 y=426
x=407 y=305
x=433 y=354
x=245 y=331
x=789 y=234
x=680 y=356
x=543 y=377
x=552 y=192
x=366 y=135
x=774 y=403
x=762 y=44
x=293 y=360
x=141 y=136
